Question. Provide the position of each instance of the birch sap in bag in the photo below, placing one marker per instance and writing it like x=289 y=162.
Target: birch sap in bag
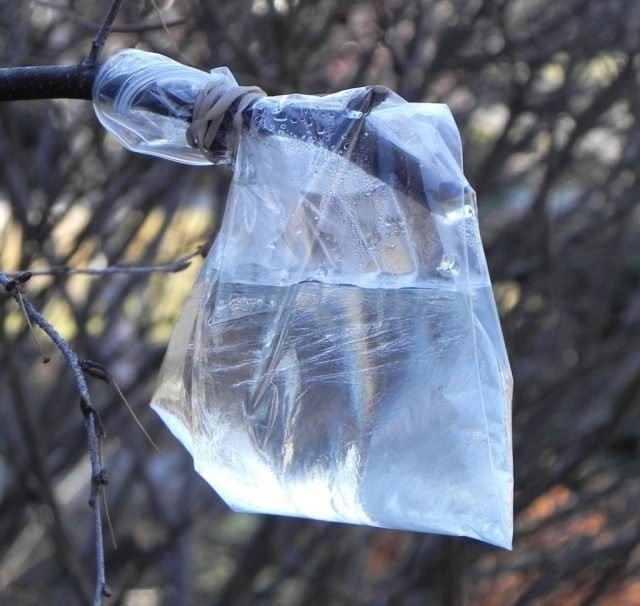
x=340 y=356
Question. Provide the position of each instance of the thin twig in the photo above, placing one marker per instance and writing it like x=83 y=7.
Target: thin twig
x=107 y=517
x=134 y=415
x=103 y=33
x=18 y=293
x=165 y=26
x=99 y=371
x=131 y=28
x=98 y=473
x=62 y=271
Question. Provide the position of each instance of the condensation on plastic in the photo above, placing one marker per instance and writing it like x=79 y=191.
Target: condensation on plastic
x=340 y=356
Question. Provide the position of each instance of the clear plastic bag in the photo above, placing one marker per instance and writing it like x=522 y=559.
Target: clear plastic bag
x=340 y=356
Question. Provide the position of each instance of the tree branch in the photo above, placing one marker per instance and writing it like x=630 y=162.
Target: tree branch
x=131 y=28
x=58 y=82
x=91 y=422
x=103 y=33
x=47 y=82
x=167 y=268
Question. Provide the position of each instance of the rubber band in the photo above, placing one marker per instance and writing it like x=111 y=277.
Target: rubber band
x=210 y=109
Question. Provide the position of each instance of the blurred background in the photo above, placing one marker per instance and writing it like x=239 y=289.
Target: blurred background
x=547 y=97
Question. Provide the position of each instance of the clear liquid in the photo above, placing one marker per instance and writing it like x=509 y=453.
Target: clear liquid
x=350 y=404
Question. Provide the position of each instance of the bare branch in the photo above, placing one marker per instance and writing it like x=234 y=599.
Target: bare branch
x=103 y=33
x=99 y=371
x=131 y=28
x=167 y=268
x=47 y=82
x=98 y=473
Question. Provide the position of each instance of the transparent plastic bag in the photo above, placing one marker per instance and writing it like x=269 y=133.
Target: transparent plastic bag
x=340 y=356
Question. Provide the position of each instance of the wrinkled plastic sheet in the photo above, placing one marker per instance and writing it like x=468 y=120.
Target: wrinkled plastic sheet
x=340 y=356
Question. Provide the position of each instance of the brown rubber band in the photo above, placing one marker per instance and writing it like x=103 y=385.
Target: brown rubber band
x=209 y=110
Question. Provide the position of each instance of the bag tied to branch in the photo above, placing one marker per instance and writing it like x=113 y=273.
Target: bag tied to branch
x=340 y=356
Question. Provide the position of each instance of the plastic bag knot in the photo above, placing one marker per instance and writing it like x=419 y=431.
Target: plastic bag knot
x=212 y=105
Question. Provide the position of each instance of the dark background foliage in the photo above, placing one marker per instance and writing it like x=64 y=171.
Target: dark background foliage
x=547 y=96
